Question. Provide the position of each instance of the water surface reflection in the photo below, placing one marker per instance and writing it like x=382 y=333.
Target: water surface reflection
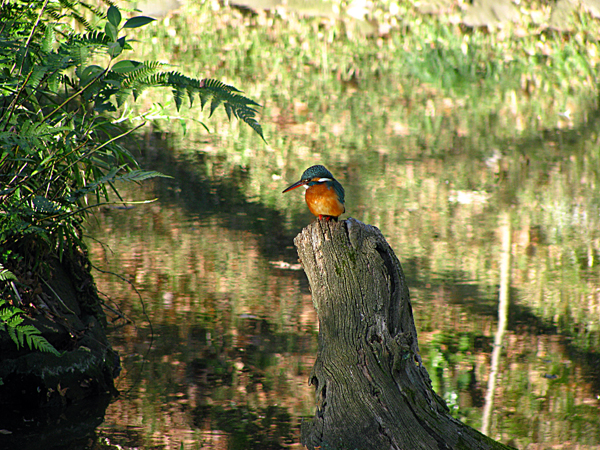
x=232 y=340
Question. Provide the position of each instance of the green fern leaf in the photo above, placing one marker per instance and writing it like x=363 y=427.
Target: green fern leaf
x=91 y=187
x=10 y=321
x=141 y=175
x=41 y=344
x=81 y=20
x=178 y=95
x=5 y=274
x=43 y=205
x=15 y=320
x=229 y=110
x=8 y=313
x=216 y=85
x=98 y=13
x=49 y=39
x=20 y=335
x=216 y=101
x=12 y=334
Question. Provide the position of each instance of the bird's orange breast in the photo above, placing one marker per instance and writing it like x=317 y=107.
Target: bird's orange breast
x=323 y=201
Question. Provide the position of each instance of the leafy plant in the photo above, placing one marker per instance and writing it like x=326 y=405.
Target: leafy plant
x=58 y=143
x=11 y=321
x=60 y=148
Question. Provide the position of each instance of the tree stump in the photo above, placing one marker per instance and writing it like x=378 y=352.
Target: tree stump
x=372 y=390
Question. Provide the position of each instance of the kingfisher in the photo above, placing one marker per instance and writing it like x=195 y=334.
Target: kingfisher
x=324 y=194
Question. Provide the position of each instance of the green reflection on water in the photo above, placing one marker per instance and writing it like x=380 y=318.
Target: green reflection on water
x=432 y=145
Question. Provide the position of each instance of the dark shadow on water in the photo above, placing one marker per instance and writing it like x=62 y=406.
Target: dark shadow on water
x=266 y=428
x=202 y=197
x=54 y=428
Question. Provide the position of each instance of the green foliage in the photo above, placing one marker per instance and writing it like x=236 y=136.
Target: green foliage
x=11 y=322
x=6 y=275
x=60 y=150
x=57 y=87
x=142 y=75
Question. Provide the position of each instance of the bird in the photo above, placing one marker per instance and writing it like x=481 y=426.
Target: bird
x=324 y=194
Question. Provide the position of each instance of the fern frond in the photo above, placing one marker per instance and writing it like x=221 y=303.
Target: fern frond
x=89 y=39
x=209 y=90
x=40 y=343
x=32 y=135
x=97 y=12
x=141 y=175
x=81 y=20
x=8 y=312
x=12 y=333
x=47 y=44
x=10 y=321
x=142 y=71
x=54 y=12
x=36 y=76
x=43 y=205
x=247 y=116
x=92 y=187
x=235 y=104
x=21 y=331
x=15 y=320
x=56 y=62
x=178 y=95
x=67 y=4
x=76 y=51
x=111 y=178
x=97 y=37
x=5 y=275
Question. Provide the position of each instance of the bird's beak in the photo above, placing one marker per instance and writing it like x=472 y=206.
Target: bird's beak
x=295 y=185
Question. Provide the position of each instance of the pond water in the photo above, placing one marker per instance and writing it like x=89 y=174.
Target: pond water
x=222 y=332
x=212 y=314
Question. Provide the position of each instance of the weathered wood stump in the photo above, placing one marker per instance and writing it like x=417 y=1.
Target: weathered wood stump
x=372 y=390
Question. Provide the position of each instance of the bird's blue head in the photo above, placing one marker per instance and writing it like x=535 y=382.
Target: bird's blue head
x=316 y=172
x=318 y=175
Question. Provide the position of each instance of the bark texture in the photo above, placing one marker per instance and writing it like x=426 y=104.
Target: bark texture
x=372 y=390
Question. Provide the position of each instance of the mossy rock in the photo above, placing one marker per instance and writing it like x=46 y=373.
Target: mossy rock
x=68 y=312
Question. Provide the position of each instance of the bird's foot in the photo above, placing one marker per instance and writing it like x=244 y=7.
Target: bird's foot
x=327 y=218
